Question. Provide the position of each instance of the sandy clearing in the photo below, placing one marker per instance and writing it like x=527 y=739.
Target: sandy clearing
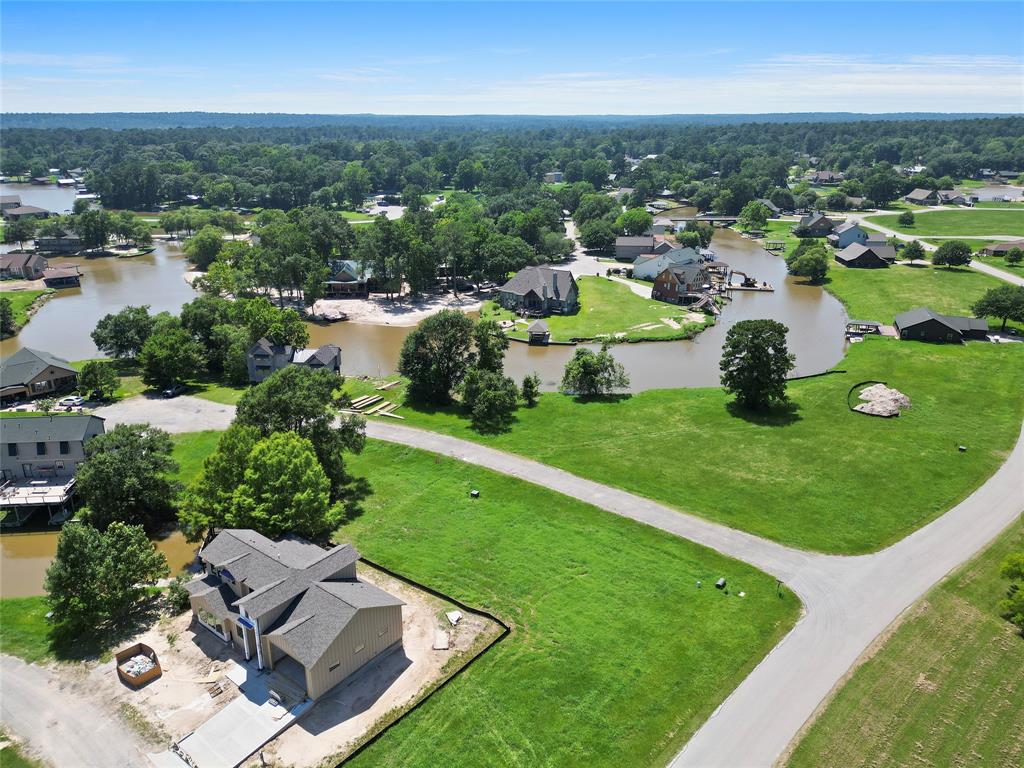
x=378 y=310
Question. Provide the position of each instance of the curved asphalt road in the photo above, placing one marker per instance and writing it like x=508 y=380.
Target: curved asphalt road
x=848 y=601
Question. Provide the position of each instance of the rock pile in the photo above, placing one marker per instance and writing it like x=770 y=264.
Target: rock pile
x=880 y=400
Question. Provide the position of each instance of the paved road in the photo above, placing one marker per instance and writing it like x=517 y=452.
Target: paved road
x=848 y=601
x=60 y=723
x=582 y=264
x=975 y=264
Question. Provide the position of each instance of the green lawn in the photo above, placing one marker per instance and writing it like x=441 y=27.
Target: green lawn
x=610 y=310
x=615 y=657
x=820 y=477
x=226 y=394
x=12 y=754
x=131 y=383
x=21 y=302
x=946 y=689
x=976 y=245
x=190 y=448
x=24 y=631
x=354 y=217
x=958 y=222
x=881 y=294
x=998 y=204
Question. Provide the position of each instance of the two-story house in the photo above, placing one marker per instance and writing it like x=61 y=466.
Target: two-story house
x=265 y=357
x=32 y=373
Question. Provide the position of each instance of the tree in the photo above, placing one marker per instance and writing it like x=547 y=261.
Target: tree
x=913 y=251
x=1014 y=256
x=436 y=355
x=589 y=374
x=468 y=174
x=491 y=399
x=209 y=499
x=98 y=376
x=264 y=320
x=1012 y=607
x=19 y=230
x=8 y=327
x=1005 y=302
x=952 y=253
x=595 y=171
x=491 y=343
x=126 y=477
x=301 y=400
x=45 y=405
x=94 y=227
x=122 y=334
x=171 y=356
x=531 y=389
x=502 y=254
x=813 y=264
x=202 y=248
x=906 y=219
x=635 y=221
x=755 y=362
x=284 y=489
x=96 y=579
x=597 y=234
x=356 y=183
x=754 y=215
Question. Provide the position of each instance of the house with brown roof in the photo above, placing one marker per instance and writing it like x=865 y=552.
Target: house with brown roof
x=26 y=265
x=922 y=197
x=1001 y=249
x=295 y=608
x=25 y=212
x=684 y=284
x=826 y=177
x=814 y=224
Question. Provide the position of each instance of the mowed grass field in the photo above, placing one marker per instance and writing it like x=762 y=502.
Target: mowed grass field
x=817 y=476
x=615 y=656
x=609 y=309
x=958 y=222
x=946 y=689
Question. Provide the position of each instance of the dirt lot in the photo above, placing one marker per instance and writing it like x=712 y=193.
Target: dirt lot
x=378 y=310
x=339 y=719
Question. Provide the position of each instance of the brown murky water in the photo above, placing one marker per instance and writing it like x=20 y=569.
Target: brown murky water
x=24 y=558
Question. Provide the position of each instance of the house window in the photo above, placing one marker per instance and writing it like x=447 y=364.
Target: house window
x=12 y=449
x=334 y=666
x=65 y=447
x=359 y=648
x=40 y=449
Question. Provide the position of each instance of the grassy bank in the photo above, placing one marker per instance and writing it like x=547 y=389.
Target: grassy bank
x=817 y=475
x=615 y=657
x=22 y=302
x=610 y=310
x=946 y=689
x=960 y=222
x=24 y=630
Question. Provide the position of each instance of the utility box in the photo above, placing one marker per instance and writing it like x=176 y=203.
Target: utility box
x=720 y=584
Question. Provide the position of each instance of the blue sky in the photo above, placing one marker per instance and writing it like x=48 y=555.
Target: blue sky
x=529 y=58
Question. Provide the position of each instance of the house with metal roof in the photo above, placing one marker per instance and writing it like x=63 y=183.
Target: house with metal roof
x=923 y=324
x=540 y=291
x=33 y=373
x=296 y=608
x=9 y=201
x=264 y=357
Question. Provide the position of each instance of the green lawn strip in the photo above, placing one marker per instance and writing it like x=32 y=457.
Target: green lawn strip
x=190 y=448
x=354 y=217
x=782 y=230
x=976 y=245
x=947 y=688
x=24 y=630
x=12 y=754
x=22 y=301
x=607 y=309
x=615 y=657
x=226 y=394
x=954 y=223
x=822 y=478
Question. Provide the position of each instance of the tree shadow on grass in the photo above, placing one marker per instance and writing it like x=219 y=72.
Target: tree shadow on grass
x=618 y=397
x=779 y=415
x=69 y=644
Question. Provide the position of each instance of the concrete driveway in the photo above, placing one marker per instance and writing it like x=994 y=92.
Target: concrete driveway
x=174 y=415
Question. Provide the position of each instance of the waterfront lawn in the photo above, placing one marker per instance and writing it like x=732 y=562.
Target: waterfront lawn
x=818 y=475
x=780 y=230
x=131 y=383
x=21 y=302
x=615 y=657
x=24 y=630
x=610 y=310
x=881 y=294
x=958 y=222
x=226 y=394
x=947 y=688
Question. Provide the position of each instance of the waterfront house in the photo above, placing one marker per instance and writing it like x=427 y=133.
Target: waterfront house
x=264 y=357
x=923 y=324
x=65 y=276
x=32 y=373
x=847 y=233
x=814 y=224
x=629 y=247
x=650 y=265
x=294 y=607
x=347 y=278
x=26 y=265
x=9 y=201
x=922 y=197
x=866 y=256
x=25 y=212
x=540 y=291
x=65 y=242
x=684 y=284
x=951 y=197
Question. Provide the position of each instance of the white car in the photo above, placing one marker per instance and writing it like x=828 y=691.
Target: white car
x=71 y=401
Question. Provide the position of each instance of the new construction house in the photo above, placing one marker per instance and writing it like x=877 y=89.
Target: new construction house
x=294 y=607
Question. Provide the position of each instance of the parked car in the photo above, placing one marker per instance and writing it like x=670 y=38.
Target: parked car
x=174 y=391
x=71 y=401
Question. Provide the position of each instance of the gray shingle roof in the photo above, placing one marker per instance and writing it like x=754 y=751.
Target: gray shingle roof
x=47 y=429
x=856 y=250
x=25 y=364
x=556 y=282
x=632 y=241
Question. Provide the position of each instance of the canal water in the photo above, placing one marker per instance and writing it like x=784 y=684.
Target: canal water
x=62 y=326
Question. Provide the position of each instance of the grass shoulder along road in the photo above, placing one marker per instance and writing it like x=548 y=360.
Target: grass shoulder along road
x=956 y=222
x=610 y=310
x=946 y=688
x=615 y=655
x=815 y=475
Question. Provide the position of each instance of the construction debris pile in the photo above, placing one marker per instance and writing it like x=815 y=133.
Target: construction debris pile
x=138 y=665
x=881 y=400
